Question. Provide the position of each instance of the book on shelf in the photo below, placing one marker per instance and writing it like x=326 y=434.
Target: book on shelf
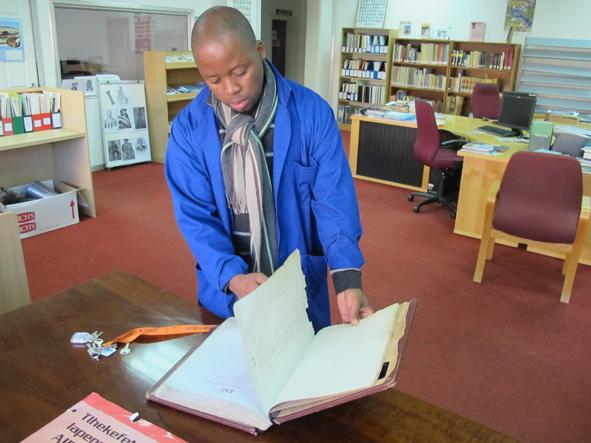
x=465 y=84
x=372 y=94
x=364 y=68
x=22 y=112
x=454 y=105
x=426 y=53
x=426 y=78
x=502 y=60
x=365 y=43
x=266 y=365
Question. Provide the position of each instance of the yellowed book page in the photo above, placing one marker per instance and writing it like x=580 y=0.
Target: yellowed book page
x=215 y=379
x=343 y=358
x=275 y=328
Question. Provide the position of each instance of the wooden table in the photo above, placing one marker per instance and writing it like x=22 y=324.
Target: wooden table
x=42 y=374
x=384 y=148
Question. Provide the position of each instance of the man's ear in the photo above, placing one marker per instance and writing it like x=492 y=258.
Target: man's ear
x=260 y=47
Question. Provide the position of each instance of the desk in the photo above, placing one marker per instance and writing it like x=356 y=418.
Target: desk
x=478 y=171
x=42 y=374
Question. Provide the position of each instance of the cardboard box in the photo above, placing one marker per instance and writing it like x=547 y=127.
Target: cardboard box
x=46 y=214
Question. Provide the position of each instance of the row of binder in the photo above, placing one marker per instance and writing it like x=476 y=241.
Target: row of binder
x=29 y=112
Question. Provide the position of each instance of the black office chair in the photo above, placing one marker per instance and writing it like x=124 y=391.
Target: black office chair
x=570 y=144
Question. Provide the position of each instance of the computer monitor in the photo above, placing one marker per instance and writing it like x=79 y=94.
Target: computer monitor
x=517 y=111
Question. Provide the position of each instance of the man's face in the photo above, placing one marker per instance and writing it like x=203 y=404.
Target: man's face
x=233 y=72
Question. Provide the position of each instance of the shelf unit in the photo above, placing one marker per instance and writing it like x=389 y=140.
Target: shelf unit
x=14 y=287
x=558 y=71
x=56 y=154
x=365 y=62
x=163 y=108
x=445 y=71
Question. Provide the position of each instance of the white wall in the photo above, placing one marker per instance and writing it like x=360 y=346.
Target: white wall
x=552 y=19
x=319 y=44
x=296 y=34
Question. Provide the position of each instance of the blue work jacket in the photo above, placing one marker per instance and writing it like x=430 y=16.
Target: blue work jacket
x=316 y=206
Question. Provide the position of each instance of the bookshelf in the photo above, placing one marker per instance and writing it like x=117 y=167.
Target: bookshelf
x=558 y=71
x=163 y=70
x=56 y=154
x=366 y=59
x=420 y=69
x=445 y=71
x=479 y=62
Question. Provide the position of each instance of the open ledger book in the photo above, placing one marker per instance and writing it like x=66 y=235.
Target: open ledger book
x=266 y=365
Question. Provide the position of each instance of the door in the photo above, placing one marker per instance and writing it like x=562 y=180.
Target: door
x=278 y=53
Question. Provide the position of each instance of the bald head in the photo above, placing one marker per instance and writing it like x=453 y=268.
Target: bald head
x=222 y=22
x=229 y=58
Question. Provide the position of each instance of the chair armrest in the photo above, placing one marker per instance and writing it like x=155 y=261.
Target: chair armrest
x=493 y=191
x=454 y=144
x=586 y=207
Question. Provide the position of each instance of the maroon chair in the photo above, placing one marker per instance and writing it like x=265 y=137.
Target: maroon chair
x=538 y=202
x=429 y=150
x=486 y=101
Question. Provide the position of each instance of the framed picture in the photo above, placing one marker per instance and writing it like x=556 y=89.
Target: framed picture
x=441 y=33
x=405 y=29
x=88 y=84
x=425 y=30
x=124 y=123
x=477 y=31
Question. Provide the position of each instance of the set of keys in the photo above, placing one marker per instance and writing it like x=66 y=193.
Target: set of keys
x=94 y=345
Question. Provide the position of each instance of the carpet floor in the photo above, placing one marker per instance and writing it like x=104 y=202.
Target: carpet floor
x=504 y=353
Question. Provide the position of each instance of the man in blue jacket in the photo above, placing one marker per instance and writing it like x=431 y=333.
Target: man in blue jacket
x=256 y=169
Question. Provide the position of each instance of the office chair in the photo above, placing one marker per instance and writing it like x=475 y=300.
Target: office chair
x=570 y=144
x=486 y=101
x=429 y=151
x=539 y=202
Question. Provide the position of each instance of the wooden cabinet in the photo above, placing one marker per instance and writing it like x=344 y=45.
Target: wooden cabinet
x=444 y=72
x=163 y=70
x=14 y=288
x=56 y=154
x=364 y=71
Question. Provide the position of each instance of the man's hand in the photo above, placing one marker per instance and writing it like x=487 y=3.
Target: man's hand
x=353 y=305
x=244 y=284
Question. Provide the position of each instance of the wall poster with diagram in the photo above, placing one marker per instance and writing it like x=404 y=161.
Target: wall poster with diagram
x=124 y=123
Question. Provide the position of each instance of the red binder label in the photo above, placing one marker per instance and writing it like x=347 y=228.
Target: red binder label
x=7 y=126
x=37 y=122
x=45 y=121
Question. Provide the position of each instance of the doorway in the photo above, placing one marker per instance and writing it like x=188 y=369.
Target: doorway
x=279 y=43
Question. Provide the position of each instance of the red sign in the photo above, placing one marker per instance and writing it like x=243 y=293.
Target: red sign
x=26 y=222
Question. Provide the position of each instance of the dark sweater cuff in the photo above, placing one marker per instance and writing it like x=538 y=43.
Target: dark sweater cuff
x=346 y=279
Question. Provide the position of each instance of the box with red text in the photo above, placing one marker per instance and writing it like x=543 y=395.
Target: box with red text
x=48 y=213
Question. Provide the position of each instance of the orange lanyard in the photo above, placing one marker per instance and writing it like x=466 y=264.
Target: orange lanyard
x=131 y=335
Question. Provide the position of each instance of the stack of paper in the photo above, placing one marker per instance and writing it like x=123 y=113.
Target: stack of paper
x=480 y=148
x=400 y=116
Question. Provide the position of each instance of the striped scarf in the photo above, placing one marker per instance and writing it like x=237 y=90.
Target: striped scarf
x=248 y=184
